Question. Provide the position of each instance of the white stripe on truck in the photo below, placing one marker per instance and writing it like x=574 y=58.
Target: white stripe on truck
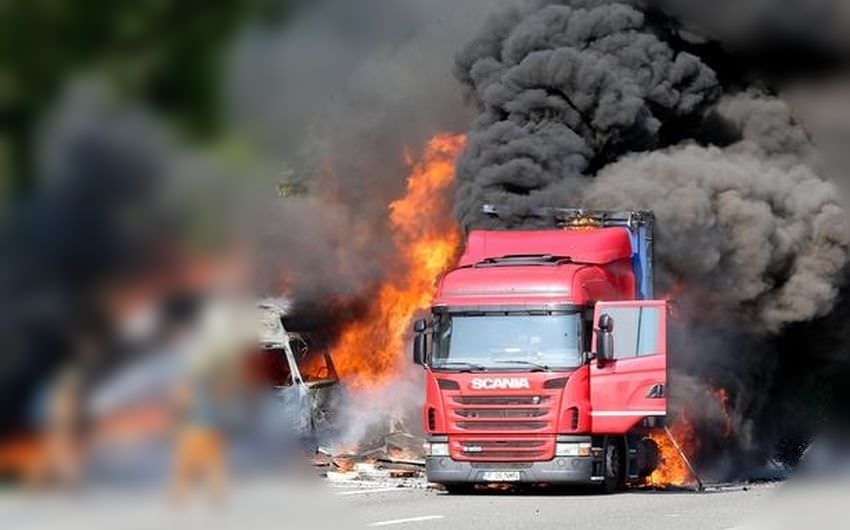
x=628 y=413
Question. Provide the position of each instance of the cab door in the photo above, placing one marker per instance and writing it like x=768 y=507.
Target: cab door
x=632 y=385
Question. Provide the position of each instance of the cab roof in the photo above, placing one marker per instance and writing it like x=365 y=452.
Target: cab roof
x=595 y=246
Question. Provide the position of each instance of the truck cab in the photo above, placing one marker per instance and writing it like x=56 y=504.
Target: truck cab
x=302 y=376
x=545 y=355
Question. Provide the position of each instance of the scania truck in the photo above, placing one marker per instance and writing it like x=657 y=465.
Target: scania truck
x=545 y=355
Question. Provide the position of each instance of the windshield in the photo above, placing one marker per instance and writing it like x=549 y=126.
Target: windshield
x=507 y=341
x=313 y=365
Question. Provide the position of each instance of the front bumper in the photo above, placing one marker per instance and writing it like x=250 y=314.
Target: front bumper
x=559 y=470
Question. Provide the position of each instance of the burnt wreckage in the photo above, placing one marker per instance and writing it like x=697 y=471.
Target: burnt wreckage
x=303 y=377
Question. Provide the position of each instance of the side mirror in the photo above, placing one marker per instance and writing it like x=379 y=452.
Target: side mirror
x=419 y=349
x=606 y=323
x=605 y=339
x=419 y=328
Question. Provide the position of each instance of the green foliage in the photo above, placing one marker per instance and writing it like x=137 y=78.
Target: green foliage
x=167 y=53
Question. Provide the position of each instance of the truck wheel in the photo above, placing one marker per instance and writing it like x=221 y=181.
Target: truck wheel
x=459 y=488
x=614 y=467
x=647 y=459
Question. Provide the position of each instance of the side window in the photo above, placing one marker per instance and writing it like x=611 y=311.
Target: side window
x=635 y=330
x=648 y=322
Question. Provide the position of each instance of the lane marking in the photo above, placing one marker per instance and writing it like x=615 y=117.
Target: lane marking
x=371 y=490
x=407 y=520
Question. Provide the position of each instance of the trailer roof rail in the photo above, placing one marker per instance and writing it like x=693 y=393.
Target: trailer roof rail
x=576 y=216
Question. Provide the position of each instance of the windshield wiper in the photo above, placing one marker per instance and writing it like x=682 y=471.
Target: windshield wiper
x=468 y=366
x=536 y=366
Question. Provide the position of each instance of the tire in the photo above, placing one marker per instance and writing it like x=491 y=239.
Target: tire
x=647 y=460
x=614 y=467
x=459 y=488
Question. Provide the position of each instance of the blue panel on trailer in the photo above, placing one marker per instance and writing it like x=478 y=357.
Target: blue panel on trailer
x=643 y=257
x=640 y=262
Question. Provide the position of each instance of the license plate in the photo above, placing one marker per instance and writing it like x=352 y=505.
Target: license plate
x=500 y=476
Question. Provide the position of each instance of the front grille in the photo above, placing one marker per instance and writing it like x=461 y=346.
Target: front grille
x=520 y=455
x=501 y=425
x=510 y=413
x=500 y=400
x=505 y=449
x=501 y=413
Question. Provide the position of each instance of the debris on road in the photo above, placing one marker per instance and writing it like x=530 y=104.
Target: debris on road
x=394 y=460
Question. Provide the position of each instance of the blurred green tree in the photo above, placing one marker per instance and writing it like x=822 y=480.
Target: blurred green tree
x=167 y=53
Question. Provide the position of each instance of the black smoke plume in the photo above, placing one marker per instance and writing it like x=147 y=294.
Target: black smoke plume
x=97 y=217
x=635 y=106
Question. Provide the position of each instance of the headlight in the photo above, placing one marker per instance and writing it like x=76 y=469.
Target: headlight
x=437 y=449
x=572 y=449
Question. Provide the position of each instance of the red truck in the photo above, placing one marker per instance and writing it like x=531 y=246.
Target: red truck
x=545 y=355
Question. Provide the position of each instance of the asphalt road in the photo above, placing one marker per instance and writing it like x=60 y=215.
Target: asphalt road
x=303 y=503
x=421 y=509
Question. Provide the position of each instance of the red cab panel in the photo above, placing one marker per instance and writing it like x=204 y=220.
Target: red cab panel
x=632 y=385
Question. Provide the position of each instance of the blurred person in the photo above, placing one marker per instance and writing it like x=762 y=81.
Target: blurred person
x=200 y=446
x=208 y=393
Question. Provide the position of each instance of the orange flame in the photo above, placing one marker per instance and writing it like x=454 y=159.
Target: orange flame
x=672 y=469
x=370 y=350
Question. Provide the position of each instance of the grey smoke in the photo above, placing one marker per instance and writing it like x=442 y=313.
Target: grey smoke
x=761 y=24
x=821 y=105
x=750 y=220
x=335 y=97
x=611 y=105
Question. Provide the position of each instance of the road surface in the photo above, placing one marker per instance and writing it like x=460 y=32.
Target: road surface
x=428 y=509
x=299 y=503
